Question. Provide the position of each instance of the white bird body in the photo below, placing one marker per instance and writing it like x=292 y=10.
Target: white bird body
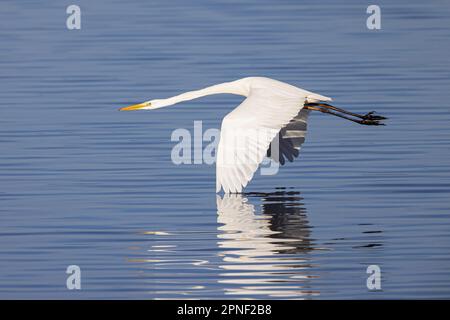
x=242 y=87
x=248 y=130
x=271 y=108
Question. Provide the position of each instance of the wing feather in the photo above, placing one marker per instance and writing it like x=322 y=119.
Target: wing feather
x=290 y=139
x=247 y=133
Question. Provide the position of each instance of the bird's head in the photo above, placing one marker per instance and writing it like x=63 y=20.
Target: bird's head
x=147 y=105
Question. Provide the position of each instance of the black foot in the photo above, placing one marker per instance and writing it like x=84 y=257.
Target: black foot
x=370 y=122
x=372 y=116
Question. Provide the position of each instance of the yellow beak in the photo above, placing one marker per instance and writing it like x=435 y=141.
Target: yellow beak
x=135 y=106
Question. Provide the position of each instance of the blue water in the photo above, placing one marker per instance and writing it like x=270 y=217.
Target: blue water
x=83 y=184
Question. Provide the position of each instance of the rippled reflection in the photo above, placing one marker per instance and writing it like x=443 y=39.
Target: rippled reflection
x=264 y=243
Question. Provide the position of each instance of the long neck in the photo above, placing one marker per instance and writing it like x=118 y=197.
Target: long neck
x=234 y=87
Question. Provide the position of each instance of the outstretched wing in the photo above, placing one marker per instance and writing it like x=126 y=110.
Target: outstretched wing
x=290 y=139
x=247 y=132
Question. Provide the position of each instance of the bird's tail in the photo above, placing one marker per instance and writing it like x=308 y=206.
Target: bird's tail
x=314 y=97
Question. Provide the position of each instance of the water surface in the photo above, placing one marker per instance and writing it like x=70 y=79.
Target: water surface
x=83 y=184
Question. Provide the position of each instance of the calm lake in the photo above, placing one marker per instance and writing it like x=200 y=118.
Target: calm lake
x=83 y=184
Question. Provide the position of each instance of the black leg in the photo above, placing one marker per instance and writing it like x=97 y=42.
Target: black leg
x=362 y=119
x=368 y=116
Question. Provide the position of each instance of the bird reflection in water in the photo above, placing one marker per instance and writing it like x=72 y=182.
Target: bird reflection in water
x=264 y=244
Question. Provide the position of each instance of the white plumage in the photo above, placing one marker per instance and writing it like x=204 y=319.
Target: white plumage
x=248 y=130
x=271 y=108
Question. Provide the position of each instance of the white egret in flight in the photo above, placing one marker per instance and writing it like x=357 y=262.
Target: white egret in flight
x=271 y=121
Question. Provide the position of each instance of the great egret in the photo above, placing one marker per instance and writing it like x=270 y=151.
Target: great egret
x=270 y=121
